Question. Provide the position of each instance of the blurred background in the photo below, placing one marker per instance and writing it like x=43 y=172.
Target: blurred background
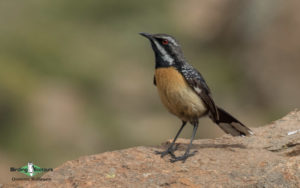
x=77 y=79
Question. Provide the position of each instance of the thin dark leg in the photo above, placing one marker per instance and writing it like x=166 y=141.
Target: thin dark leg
x=171 y=148
x=187 y=152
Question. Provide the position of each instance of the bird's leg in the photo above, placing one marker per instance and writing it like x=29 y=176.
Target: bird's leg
x=187 y=152
x=171 y=148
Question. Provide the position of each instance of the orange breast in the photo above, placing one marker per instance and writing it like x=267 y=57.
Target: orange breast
x=177 y=96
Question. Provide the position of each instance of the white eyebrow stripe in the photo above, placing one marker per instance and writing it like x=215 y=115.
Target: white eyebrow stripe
x=170 y=39
x=166 y=57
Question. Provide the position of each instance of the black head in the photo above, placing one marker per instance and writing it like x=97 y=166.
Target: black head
x=167 y=50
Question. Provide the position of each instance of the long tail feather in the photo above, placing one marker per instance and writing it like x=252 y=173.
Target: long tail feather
x=231 y=125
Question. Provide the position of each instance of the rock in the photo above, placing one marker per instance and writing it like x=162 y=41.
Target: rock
x=270 y=158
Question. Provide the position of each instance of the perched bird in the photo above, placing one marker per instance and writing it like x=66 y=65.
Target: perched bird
x=184 y=92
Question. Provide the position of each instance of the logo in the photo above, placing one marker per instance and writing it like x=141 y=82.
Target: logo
x=30 y=170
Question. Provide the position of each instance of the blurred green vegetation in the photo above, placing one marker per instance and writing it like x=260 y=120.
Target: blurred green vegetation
x=53 y=49
x=76 y=79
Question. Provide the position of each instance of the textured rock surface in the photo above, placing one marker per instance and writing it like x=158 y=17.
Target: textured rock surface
x=270 y=158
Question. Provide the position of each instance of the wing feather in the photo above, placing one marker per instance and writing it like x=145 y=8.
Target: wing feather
x=198 y=84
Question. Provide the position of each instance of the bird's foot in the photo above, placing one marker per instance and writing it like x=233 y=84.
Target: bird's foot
x=183 y=157
x=169 y=151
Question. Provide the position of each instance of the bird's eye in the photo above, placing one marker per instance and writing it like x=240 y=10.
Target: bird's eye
x=165 y=42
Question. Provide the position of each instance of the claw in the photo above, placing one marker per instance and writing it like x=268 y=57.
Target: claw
x=164 y=153
x=183 y=157
x=169 y=151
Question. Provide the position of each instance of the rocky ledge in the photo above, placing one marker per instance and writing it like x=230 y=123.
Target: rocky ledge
x=270 y=158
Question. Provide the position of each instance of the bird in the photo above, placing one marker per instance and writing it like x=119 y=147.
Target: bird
x=185 y=93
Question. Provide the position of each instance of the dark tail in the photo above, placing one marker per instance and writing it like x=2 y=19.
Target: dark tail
x=230 y=125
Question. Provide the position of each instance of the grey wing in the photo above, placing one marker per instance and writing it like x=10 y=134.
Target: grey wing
x=198 y=84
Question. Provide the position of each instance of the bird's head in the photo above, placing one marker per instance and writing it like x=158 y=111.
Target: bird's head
x=166 y=49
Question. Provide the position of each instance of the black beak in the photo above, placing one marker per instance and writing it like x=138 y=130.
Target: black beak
x=147 y=35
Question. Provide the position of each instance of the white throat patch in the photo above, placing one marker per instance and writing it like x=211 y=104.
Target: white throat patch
x=165 y=56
